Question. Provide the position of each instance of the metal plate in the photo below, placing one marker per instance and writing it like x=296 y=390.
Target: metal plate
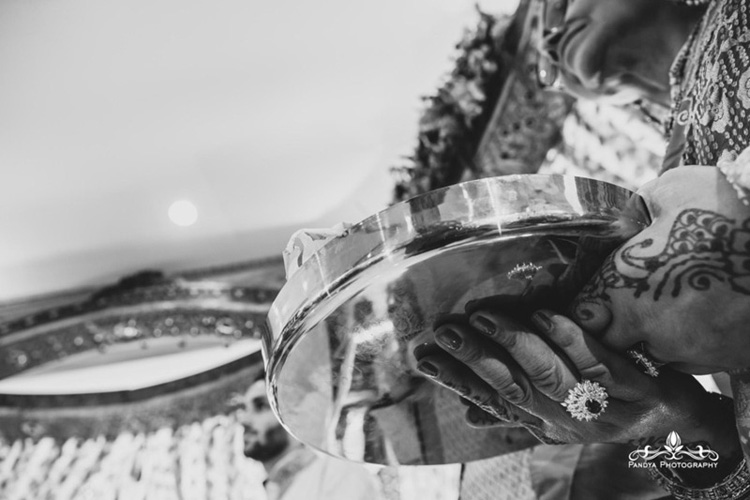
x=338 y=346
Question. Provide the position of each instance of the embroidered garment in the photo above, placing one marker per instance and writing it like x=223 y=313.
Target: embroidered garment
x=711 y=88
x=710 y=118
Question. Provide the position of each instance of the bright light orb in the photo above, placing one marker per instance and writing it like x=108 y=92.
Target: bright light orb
x=183 y=213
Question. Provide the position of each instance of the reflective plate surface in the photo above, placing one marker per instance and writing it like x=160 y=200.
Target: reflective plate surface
x=340 y=334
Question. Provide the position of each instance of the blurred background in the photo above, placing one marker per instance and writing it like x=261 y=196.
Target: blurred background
x=180 y=134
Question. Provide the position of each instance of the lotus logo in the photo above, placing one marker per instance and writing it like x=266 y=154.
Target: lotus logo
x=673 y=449
x=674 y=445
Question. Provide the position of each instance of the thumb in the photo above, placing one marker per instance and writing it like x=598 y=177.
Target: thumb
x=591 y=314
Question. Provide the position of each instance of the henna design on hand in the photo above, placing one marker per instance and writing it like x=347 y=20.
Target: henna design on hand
x=703 y=247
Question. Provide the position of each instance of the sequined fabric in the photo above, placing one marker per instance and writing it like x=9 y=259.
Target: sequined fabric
x=711 y=85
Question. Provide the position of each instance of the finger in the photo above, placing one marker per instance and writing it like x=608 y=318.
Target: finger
x=545 y=418
x=496 y=369
x=592 y=360
x=543 y=366
x=590 y=307
x=591 y=313
x=486 y=360
x=455 y=376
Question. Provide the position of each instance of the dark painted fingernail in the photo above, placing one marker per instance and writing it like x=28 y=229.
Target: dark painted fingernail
x=425 y=349
x=449 y=338
x=483 y=324
x=428 y=368
x=542 y=321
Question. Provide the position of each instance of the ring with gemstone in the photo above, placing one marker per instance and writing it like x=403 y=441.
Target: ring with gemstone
x=586 y=400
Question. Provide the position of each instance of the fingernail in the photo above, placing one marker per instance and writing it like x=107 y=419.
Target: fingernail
x=425 y=349
x=586 y=313
x=583 y=313
x=542 y=321
x=427 y=368
x=449 y=338
x=483 y=324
